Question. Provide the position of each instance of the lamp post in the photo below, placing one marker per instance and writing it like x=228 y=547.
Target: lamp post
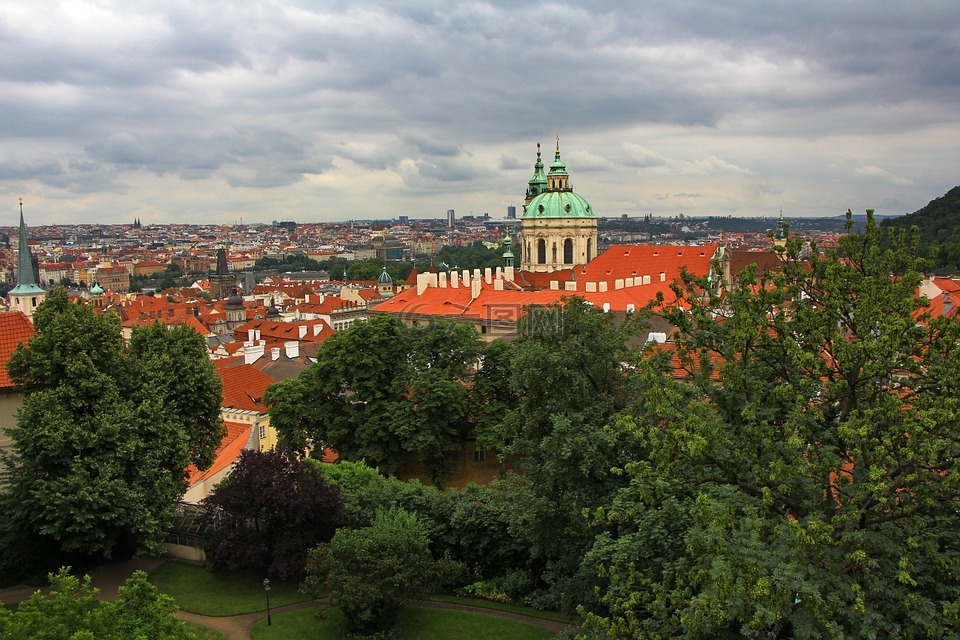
x=266 y=589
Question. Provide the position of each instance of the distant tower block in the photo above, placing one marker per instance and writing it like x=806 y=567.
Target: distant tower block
x=451 y=218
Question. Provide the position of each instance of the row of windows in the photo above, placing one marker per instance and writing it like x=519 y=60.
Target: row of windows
x=567 y=251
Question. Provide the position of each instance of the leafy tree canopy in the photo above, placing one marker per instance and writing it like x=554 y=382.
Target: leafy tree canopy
x=939 y=226
x=72 y=611
x=105 y=433
x=369 y=573
x=383 y=393
x=801 y=449
x=268 y=513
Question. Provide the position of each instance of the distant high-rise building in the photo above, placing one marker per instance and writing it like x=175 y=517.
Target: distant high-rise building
x=451 y=218
x=511 y=212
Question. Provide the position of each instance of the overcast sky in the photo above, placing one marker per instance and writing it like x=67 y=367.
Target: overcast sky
x=206 y=111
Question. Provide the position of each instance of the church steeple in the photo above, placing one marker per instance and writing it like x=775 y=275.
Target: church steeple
x=26 y=296
x=558 y=178
x=538 y=183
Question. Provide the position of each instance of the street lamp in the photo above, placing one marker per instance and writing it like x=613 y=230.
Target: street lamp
x=266 y=589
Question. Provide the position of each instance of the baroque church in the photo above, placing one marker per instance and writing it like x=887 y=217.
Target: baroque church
x=558 y=229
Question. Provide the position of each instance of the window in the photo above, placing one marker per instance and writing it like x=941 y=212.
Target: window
x=541 y=251
x=568 y=251
x=589 y=249
x=479 y=454
x=263 y=432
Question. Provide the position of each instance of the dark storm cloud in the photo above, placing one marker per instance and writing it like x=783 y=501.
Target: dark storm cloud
x=434 y=97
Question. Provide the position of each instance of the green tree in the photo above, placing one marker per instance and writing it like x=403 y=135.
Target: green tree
x=369 y=573
x=105 y=432
x=383 y=393
x=268 y=513
x=72 y=611
x=568 y=368
x=173 y=373
x=493 y=397
x=805 y=437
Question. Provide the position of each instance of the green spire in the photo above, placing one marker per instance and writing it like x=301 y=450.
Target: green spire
x=26 y=283
x=558 y=168
x=538 y=183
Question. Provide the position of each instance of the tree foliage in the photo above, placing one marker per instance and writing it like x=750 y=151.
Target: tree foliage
x=383 y=393
x=568 y=369
x=371 y=572
x=804 y=436
x=105 y=432
x=939 y=226
x=268 y=513
x=72 y=611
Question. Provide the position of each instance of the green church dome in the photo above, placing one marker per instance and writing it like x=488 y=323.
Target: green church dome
x=558 y=204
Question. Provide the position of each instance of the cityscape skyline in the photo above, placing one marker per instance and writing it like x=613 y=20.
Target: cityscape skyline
x=260 y=111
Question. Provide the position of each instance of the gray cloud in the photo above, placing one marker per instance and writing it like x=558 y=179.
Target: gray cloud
x=422 y=105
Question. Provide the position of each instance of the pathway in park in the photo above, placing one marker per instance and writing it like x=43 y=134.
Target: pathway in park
x=110 y=578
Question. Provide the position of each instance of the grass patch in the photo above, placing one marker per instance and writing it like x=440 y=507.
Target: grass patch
x=417 y=624
x=510 y=608
x=302 y=623
x=204 y=633
x=220 y=593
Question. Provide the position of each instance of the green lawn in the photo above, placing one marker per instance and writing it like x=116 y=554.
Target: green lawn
x=220 y=593
x=417 y=623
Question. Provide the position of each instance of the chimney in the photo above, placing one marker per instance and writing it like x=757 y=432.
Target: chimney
x=475 y=289
x=292 y=348
x=423 y=281
x=487 y=275
x=252 y=352
x=251 y=335
x=302 y=330
x=275 y=353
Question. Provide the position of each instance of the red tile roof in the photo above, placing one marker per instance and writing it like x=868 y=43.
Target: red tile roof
x=505 y=306
x=232 y=445
x=15 y=328
x=633 y=261
x=243 y=387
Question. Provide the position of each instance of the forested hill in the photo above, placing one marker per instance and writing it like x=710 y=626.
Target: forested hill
x=939 y=224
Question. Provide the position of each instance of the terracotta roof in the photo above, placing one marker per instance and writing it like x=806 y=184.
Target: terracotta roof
x=505 y=306
x=232 y=445
x=621 y=262
x=766 y=261
x=15 y=328
x=243 y=387
x=276 y=333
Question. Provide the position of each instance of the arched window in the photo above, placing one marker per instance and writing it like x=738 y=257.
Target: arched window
x=541 y=251
x=568 y=251
x=589 y=249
